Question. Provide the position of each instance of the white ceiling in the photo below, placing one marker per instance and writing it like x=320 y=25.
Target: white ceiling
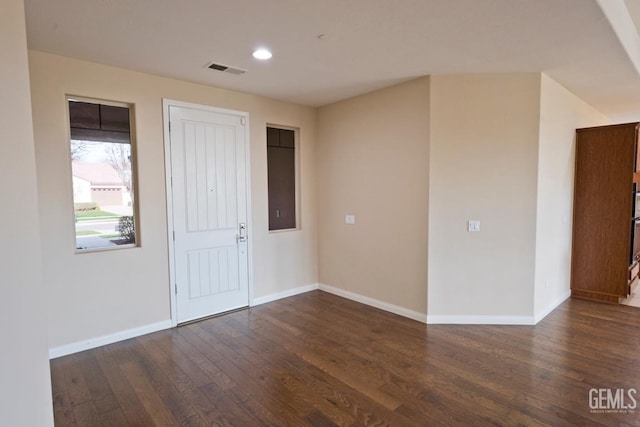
x=371 y=43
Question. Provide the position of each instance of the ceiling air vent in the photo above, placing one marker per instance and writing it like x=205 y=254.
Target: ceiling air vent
x=226 y=68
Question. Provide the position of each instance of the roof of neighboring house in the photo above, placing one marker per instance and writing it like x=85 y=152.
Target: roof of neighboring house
x=96 y=173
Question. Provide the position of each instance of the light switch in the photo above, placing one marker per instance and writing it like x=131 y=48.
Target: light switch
x=473 y=226
x=350 y=219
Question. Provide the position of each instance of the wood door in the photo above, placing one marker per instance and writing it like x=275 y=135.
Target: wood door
x=602 y=223
x=209 y=193
x=637 y=170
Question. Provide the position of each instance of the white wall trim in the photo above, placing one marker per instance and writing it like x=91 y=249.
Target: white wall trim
x=166 y=103
x=401 y=311
x=284 y=294
x=435 y=319
x=76 y=347
x=544 y=313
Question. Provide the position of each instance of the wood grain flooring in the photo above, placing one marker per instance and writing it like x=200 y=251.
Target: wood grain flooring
x=320 y=360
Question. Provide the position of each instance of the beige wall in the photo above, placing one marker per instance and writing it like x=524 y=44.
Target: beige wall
x=561 y=113
x=373 y=163
x=95 y=294
x=25 y=388
x=413 y=163
x=484 y=148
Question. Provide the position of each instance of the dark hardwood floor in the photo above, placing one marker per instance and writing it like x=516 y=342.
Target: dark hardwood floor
x=317 y=359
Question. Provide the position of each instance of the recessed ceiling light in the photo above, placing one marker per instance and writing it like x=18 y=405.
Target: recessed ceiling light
x=262 y=54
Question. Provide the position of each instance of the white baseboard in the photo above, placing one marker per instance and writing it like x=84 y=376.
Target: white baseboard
x=435 y=319
x=284 y=294
x=76 y=347
x=496 y=320
x=553 y=305
x=143 y=330
x=401 y=311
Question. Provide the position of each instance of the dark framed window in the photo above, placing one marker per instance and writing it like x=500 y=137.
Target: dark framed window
x=281 y=166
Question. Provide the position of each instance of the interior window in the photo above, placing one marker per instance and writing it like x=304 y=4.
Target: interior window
x=281 y=165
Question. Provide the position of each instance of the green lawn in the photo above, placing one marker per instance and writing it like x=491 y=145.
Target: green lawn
x=110 y=236
x=97 y=214
x=86 y=233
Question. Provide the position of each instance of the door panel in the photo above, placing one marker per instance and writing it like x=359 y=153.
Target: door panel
x=209 y=204
x=212 y=271
x=211 y=181
x=281 y=187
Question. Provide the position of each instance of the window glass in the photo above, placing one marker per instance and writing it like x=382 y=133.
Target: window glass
x=102 y=164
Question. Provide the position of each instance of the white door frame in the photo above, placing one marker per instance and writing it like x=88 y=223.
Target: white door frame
x=166 y=103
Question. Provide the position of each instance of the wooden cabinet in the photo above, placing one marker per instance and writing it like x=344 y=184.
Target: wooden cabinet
x=637 y=169
x=607 y=163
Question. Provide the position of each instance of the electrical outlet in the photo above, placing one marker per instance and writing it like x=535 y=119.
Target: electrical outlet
x=350 y=219
x=473 y=226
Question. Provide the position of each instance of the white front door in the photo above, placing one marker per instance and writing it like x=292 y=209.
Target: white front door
x=209 y=200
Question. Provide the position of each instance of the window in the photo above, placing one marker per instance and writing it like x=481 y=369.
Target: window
x=102 y=163
x=281 y=167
